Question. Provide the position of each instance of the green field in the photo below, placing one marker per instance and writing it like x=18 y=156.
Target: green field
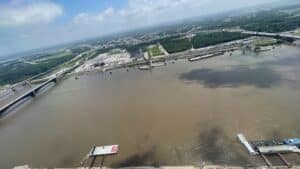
x=266 y=42
x=19 y=70
x=176 y=45
x=298 y=33
x=208 y=39
x=155 y=51
x=115 y=51
x=263 y=21
x=53 y=56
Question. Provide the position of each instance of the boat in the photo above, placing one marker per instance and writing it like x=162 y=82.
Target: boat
x=278 y=149
x=292 y=141
x=157 y=64
x=263 y=49
x=145 y=67
x=192 y=59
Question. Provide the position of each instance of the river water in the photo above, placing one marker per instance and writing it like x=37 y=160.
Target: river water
x=181 y=113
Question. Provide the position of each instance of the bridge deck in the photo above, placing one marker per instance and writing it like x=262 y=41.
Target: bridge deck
x=284 y=35
x=27 y=94
x=36 y=89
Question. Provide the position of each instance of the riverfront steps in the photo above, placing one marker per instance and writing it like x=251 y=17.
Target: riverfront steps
x=175 y=167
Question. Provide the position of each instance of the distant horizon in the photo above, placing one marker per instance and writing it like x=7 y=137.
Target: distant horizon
x=11 y=28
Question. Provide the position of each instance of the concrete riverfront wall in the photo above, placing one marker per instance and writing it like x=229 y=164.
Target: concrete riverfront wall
x=173 y=167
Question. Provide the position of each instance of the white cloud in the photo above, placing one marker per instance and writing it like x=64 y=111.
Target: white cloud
x=139 y=13
x=135 y=14
x=17 y=15
x=85 y=18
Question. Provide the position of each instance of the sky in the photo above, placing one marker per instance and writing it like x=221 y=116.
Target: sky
x=31 y=24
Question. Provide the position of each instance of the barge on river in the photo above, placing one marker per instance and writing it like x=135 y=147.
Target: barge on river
x=271 y=147
x=196 y=58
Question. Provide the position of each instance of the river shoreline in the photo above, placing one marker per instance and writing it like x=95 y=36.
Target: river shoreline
x=205 y=133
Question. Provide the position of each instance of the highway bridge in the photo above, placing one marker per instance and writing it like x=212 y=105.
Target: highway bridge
x=35 y=90
x=30 y=93
x=280 y=35
x=275 y=35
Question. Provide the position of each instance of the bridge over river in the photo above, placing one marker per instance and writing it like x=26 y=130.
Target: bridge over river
x=35 y=90
x=280 y=35
x=274 y=35
x=30 y=93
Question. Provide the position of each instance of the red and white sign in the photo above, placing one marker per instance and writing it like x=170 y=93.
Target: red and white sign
x=105 y=150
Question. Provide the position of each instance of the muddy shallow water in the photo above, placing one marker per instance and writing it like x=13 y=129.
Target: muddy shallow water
x=182 y=113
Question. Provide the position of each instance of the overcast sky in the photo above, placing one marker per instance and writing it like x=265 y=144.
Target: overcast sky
x=28 y=24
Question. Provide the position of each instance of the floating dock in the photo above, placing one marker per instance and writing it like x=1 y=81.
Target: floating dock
x=145 y=67
x=278 y=149
x=247 y=145
x=258 y=143
x=148 y=67
x=100 y=151
x=292 y=141
x=192 y=59
x=271 y=147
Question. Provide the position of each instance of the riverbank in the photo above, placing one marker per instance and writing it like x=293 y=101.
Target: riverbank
x=206 y=113
x=122 y=59
x=176 y=167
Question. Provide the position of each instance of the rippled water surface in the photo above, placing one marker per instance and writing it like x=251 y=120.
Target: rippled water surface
x=182 y=113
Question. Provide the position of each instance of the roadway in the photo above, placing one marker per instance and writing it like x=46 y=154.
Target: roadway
x=30 y=93
x=282 y=35
x=35 y=90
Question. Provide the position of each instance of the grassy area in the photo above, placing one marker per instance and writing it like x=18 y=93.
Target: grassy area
x=208 y=39
x=176 y=45
x=266 y=42
x=298 y=33
x=58 y=56
x=115 y=51
x=18 y=70
x=135 y=50
x=155 y=51
x=273 y=21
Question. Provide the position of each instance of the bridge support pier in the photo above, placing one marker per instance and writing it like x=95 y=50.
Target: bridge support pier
x=33 y=93
x=55 y=80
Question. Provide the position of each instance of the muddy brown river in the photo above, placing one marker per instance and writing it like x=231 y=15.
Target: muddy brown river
x=181 y=113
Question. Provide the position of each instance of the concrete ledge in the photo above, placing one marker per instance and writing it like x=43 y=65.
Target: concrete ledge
x=138 y=168
x=221 y=167
x=174 y=167
x=22 y=167
x=178 y=167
